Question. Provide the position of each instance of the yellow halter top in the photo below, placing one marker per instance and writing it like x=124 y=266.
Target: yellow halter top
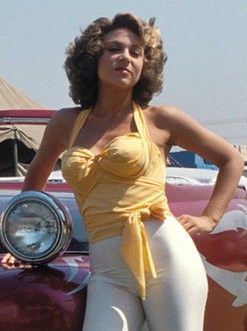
x=119 y=188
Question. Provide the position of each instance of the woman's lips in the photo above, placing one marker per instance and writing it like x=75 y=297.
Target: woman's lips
x=123 y=70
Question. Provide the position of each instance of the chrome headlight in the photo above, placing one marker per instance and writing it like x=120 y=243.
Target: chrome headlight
x=35 y=227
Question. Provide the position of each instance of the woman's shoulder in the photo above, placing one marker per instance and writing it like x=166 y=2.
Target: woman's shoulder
x=162 y=110
x=64 y=117
x=61 y=124
x=67 y=113
x=163 y=113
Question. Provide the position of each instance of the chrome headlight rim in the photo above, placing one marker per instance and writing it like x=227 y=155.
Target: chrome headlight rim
x=61 y=216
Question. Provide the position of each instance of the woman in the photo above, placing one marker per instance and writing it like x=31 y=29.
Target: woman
x=144 y=262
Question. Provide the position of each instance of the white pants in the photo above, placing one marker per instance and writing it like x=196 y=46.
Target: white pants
x=175 y=300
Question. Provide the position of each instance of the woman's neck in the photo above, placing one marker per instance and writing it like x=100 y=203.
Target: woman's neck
x=111 y=101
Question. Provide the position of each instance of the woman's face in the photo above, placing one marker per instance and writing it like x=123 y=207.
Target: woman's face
x=121 y=62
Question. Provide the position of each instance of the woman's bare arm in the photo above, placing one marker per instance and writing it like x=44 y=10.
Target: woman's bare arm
x=190 y=135
x=54 y=142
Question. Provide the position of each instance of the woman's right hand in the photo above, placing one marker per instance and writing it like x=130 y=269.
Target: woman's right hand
x=10 y=262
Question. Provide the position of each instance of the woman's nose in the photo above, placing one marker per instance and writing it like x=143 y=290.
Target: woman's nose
x=124 y=58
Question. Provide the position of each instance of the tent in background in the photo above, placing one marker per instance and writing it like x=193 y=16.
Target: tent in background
x=21 y=132
x=22 y=124
x=12 y=98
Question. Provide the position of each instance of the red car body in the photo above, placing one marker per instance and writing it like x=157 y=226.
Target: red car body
x=53 y=297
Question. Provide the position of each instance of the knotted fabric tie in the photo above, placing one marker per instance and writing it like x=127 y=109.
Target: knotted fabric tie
x=135 y=250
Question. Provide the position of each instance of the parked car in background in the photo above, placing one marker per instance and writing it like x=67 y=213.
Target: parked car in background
x=52 y=296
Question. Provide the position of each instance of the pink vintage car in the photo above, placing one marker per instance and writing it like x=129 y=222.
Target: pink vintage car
x=47 y=230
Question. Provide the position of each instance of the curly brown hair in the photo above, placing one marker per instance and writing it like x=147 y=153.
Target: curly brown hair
x=82 y=59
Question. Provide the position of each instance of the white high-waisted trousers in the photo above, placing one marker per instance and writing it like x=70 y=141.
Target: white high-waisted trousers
x=175 y=300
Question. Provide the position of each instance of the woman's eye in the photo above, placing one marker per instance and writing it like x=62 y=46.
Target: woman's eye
x=136 y=52
x=113 y=49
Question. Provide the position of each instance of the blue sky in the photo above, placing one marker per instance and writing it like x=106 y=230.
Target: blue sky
x=206 y=72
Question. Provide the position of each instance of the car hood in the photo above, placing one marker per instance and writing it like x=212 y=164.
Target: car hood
x=47 y=298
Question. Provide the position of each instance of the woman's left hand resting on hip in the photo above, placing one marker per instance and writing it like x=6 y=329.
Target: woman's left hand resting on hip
x=197 y=224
